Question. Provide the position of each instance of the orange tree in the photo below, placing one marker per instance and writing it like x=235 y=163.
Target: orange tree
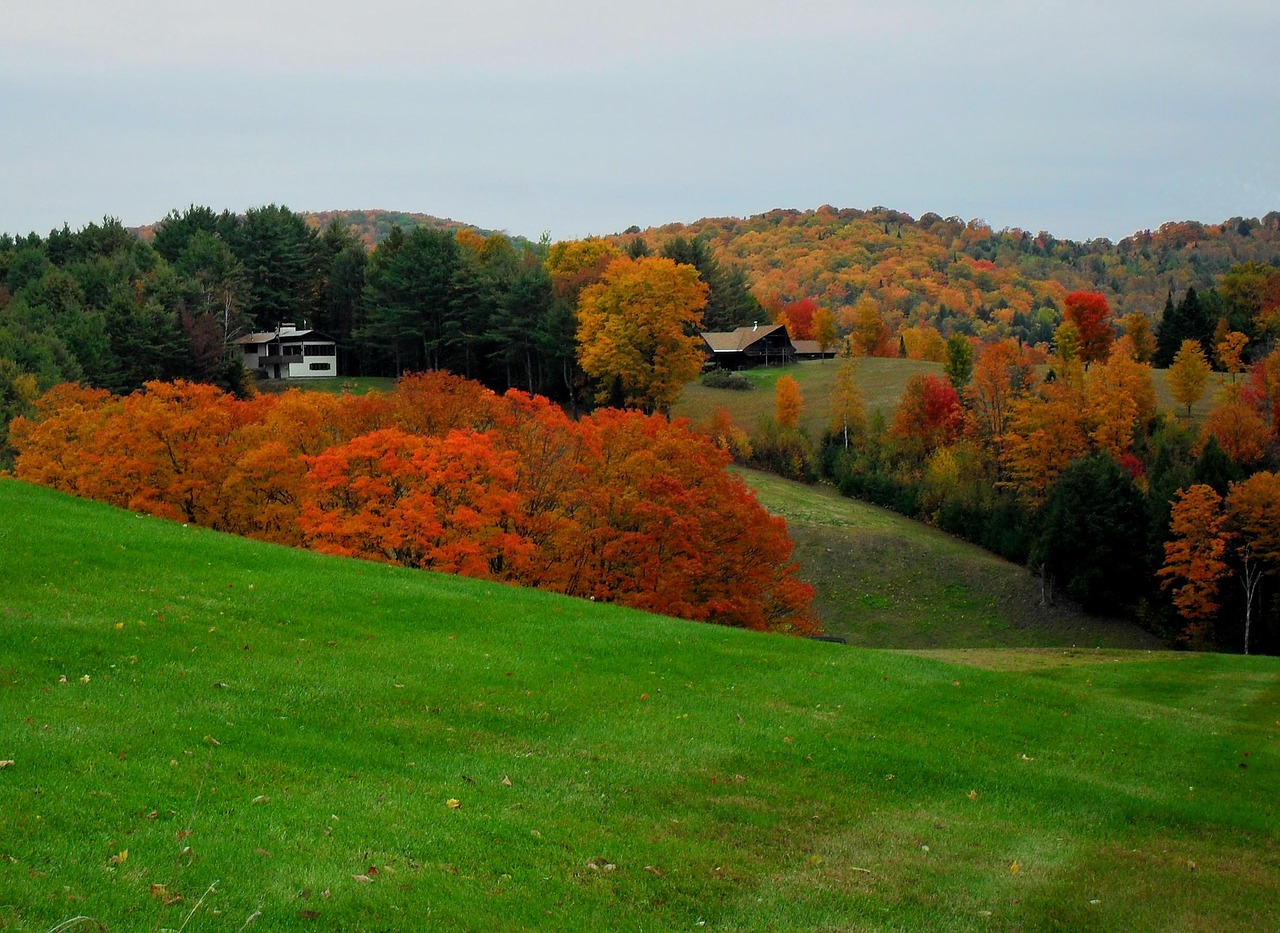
x=1194 y=559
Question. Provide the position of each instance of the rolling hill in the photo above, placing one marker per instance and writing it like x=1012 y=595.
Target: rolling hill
x=199 y=732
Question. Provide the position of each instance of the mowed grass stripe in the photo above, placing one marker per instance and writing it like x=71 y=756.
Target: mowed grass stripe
x=658 y=774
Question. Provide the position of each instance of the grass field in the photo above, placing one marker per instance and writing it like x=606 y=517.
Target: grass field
x=881 y=381
x=201 y=733
x=890 y=582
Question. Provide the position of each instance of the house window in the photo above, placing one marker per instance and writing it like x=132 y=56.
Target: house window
x=291 y=350
x=319 y=365
x=321 y=349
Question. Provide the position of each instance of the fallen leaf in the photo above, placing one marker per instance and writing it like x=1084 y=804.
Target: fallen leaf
x=453 y=803
x=363 y=879
x=119 y=626
x=1025 y=758
x=263 y=852
x=1015 y=867
x=656 y=872
x=7 y=764
x=308 y=914
x=212 y=741
x=161 y=893
x=506 y=781
x=973 y=795
x=84 y=679
x=262 y=798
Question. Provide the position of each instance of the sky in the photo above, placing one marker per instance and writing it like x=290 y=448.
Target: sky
x=1083 y=118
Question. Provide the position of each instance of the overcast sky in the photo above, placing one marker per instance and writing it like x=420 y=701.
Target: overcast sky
x=1082 y=118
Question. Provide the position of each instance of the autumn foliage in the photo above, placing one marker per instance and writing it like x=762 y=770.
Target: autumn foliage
x=443 y=475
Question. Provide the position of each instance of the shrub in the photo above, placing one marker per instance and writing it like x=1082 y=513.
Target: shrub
x=723 y=379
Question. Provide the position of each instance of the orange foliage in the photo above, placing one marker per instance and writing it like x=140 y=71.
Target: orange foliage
x=439 y=503
x=1194 y=554
x=1001 y=374
x=1043 y=436
x=1239 y=430
x=788 y=402
x=442 y=474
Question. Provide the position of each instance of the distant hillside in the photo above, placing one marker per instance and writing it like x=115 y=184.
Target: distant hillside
x=966 y=276
x=373 y=225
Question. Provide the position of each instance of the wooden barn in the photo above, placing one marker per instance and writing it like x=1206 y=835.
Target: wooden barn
x=746 y=347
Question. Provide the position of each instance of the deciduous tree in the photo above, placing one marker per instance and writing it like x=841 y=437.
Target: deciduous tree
x=637 y=331
x=1194 y=557
x=1091 y=315
x=1189 y=374
x=788 y=403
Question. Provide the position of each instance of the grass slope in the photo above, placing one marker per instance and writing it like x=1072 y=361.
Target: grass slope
x=885 y=581
x=274 y=736
x=881 y=381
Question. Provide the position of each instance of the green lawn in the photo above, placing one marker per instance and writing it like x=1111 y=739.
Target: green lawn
x=274 y=737
x=355 y=385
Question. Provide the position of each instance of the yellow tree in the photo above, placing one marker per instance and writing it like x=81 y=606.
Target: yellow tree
x=848 y=412
x=824 y=329
x=636 y=330
x=1119 y=395
x=1137 y=327
x=1228 y=351
x=789 y=403
x=1044 y=434
x=1189 y=374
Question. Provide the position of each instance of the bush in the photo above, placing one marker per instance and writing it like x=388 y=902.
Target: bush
x=785 y=451
x=723 y=379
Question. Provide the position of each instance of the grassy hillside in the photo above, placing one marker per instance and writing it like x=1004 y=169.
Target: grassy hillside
x=881 y=381
x=204 y=733
x=886 y=581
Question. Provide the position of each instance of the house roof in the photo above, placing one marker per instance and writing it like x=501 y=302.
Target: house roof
x=267 y=336
x=735 y=341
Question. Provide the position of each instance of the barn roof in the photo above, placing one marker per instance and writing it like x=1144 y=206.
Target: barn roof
x=735 y=341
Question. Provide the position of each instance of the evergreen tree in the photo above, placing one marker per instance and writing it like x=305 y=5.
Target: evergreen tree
x=1092 y=535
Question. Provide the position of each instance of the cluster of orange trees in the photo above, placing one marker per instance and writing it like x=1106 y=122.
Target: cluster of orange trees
x=442 y=474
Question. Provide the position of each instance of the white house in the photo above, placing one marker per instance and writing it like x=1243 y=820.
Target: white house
x=290 y=353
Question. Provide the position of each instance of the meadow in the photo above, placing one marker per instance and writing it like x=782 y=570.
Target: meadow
x=881 y=380
x=200 y=732
x=885 y=581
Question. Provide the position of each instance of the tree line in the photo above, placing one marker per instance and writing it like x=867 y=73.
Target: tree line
x=108 y=309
